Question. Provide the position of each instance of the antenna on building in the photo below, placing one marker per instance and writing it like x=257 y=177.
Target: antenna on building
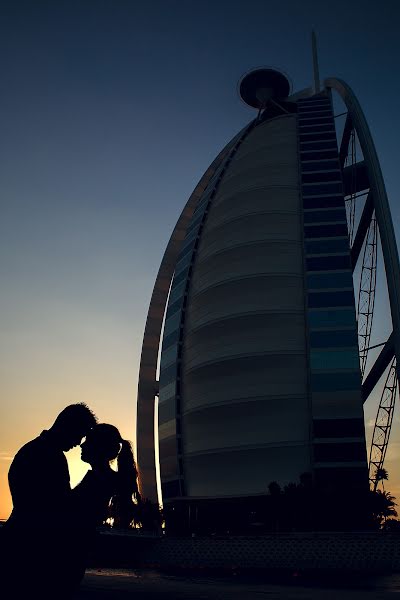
x=315 y=62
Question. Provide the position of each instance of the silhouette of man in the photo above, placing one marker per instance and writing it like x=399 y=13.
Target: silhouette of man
x=36 y=534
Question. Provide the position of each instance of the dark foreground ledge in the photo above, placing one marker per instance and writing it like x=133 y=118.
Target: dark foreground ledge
x=285 y=553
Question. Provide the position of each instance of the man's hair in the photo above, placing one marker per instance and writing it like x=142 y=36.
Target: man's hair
x=77 y=413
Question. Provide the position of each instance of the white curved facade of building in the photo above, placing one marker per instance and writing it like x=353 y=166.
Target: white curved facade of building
x=244 y=367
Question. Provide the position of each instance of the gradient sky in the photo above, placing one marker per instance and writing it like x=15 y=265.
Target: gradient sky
x=110 y=111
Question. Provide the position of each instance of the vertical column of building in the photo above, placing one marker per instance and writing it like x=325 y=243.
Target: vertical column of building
x=169 y=410
x=169 y=395
x=339 y=451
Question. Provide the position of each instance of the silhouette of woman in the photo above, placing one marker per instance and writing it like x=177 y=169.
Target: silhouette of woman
x=103 y=493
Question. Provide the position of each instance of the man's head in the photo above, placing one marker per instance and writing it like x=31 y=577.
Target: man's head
x=72 y=424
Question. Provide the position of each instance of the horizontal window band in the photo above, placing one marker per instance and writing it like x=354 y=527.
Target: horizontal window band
x=166 y=429
x=330 y=299
x=315 y=202
x=328 y=263
x=166 y=392
x=330 y=280
x=183 y=263
x=172 y=323
x=332 y=187
x=339 y=244
x=169 y=356
x=203 y=203
x=331 y=318
x=336 y=452
x=195 y=222
x=174 y=308
x=187 y=252
x=311 y=121
x=321 y=231
x=182 y=276
x=171 y=339
x=189 y=238
x=177 y=292
x=315 y=145
x=321 y=176
x=332 y=360
x=319 y=216
x=306 y=136
x=169 y=374
x=314 y=114
x=333 y=339
x=166 y=411
x=327 y=166
x=311 y=106
x=329 y=428
x=312 y=154
x=331 y=382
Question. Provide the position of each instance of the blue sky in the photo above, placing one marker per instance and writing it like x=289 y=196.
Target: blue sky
x=110 y=111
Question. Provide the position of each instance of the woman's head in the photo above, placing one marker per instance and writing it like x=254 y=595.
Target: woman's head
x=102 y=444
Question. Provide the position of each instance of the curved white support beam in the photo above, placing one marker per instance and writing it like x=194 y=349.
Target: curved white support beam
x=381 y=204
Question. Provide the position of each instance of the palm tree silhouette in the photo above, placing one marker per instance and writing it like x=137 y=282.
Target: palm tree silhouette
x=381 y=475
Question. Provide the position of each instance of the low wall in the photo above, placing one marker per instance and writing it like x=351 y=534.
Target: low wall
x=372 y=552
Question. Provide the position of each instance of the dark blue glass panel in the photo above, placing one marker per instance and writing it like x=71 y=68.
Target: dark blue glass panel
x=328 y=263
x=172 y=323
x=335 y=382
x=330 y=280
x=311 y=134
x=311 y=154
x=325 y=216
x=178 y=277
x=321 y=299
x=324 y=145
x=334 y=360
x=170 y=339
x=327 y=246
x=320 y=231
x=187 y=247
x=196 y=221
x=166 y=411
x=167 y=375
x=345 y=452
x=334 y=339
x=323 y=188
x=183 y=262
x=169 y=355
x=321 y=176
x=177 y=291
x=167 y=392
x=317 y=126
x=304 y=109
x=332 y=318
x=331 y=428
x=174 y=308
x=320 y=165
x=323 y=202
x=189 y=238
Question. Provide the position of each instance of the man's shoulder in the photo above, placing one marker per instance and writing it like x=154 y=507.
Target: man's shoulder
x=38 y=449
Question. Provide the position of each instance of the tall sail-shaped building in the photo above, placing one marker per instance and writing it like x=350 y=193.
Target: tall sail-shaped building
x=254 y=310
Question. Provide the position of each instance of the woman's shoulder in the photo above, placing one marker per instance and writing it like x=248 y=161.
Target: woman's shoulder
x=98 y=481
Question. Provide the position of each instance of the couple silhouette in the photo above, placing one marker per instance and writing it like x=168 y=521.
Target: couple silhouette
x=46 y=540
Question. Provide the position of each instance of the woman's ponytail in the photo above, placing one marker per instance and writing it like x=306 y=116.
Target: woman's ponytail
x=123 y=508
